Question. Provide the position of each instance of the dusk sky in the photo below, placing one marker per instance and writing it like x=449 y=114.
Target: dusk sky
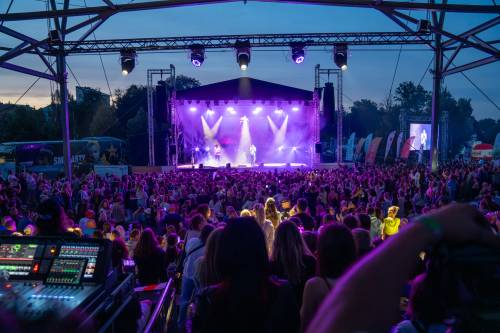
x=369 y=74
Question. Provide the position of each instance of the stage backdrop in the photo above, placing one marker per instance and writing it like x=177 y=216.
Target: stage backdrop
x=236 y=114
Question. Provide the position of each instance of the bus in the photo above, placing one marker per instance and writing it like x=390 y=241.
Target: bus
x=47 y=156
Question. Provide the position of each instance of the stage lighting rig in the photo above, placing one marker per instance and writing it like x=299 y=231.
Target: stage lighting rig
x=242 y=53
x=340 y=55
x=197 y=55
x=128 y=58
x=298 y=53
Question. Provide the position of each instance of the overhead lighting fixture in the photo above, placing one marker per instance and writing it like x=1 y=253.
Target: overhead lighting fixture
x=192 y=109
x=231 y=110
x=340 y=55
x=257 y=110
x=210 y=112
x=295 y=108
x=298 y=53
x=278 y=111
x=242 y=53
x=127 y=58
x=197 y=55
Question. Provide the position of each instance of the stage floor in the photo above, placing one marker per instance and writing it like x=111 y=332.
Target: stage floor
x=245 y=166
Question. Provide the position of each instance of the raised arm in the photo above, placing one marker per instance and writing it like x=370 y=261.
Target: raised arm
x=367 y=297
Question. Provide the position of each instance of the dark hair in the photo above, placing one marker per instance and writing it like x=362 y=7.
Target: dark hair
x=364 y=221
x=172 y=239
x=147 y=244
x=336 y=250
x=311 y=240
x=196 y=221
x=302 y=204
x=204 y=210
x=205 y=232
x=288 y=251
x=242 y=251
x=424 y=304
x=50 y=218
x=351 y=221
x=119 y=252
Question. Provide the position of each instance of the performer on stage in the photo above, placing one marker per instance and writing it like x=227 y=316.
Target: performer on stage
x=253 y=154
x=217 y=152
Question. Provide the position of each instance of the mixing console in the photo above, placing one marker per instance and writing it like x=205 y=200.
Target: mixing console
x=52 y=275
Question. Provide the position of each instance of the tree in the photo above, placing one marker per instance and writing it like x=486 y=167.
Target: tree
x=487 y=129
x=83 y=113
x=103 y=122
x=412 y=98
x=364 y=118
x=183 y=82
x=127 y=104
x=22 y=123
x=461 y=122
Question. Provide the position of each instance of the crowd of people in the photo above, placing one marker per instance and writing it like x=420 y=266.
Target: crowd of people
x=266 y=251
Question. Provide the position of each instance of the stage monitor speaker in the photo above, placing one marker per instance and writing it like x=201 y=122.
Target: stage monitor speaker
x=318 y=148
x=228 y=165
x=200 y=166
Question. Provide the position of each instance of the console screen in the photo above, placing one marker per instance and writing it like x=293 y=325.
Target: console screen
x=89 y=252
x=17 y=259
x=66 y=271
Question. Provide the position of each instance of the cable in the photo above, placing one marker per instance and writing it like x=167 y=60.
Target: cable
x=100 y=57
x=7 y=11
x=476 y=86
x=73 y=74
x=425 y=72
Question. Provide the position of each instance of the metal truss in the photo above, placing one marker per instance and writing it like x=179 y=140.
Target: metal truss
x=261 y=40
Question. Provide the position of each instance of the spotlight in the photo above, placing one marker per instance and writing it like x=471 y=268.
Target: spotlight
x=127 y=58
x=294 y=148
x=242 y=53
x=278 y=111
x=340 y=55
x=298 y=53
x=295 y=109
x=257 y=110
x=197 y=149
x=210 y=112
x=207 y=149
x=280 y=148
x=243 y=120
x=231 y=110
x=192 y=109
x=197 y=55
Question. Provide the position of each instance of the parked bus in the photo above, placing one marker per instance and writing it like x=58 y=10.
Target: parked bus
x=47 y=156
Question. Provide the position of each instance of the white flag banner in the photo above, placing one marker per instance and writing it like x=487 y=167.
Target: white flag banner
x=399 y=142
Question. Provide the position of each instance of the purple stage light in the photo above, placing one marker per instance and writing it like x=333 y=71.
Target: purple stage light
x=257 y=110
x=207 y=149
x=197 y=149
x=196 y=62
x=192 y=109
x=280 y=148
x=210 y=112
x=278 y=111
x=295 y=109
x=231 y=110
x=294 y=148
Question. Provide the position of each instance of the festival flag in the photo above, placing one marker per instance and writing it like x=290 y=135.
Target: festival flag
x=390 y=138
x=368 y=141
x=350 y=147
x=372 y=151
x=405 y=152
x=358 y=148
x=398 y=143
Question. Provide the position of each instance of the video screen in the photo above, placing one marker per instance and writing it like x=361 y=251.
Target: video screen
x=82 y=251
x=422 y=134
x=66 y=271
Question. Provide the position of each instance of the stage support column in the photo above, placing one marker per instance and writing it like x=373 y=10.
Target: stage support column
x=436 y=101
x=62 y=78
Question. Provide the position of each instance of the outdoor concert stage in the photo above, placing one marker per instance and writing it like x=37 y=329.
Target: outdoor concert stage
x=248 y=123
x=263 y=166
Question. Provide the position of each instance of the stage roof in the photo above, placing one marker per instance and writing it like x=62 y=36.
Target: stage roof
x=245 y=88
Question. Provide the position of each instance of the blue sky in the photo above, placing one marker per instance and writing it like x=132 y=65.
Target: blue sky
x=370 y=68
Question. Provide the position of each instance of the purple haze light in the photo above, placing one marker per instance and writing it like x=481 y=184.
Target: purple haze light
x=294 y=148
x=231 y=110
x=278 y=111
x=210 y=112
x=295 y=108
x=192 y=109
